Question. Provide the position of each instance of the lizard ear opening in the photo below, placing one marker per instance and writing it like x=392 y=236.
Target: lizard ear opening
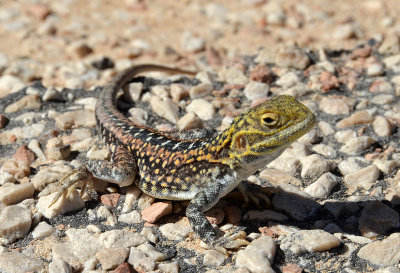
x=241 y=143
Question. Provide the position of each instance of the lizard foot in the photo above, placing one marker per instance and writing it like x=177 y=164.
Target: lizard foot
x=232 y=239
x=255 y=197
x=77 y=178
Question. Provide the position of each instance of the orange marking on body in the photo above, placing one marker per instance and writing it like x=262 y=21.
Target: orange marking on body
x=169 y=179
x=177 y=162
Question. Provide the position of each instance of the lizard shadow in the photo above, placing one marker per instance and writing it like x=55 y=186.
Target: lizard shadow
x=369 y=216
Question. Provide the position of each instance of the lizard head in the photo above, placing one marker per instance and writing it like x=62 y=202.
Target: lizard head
x=263 y=132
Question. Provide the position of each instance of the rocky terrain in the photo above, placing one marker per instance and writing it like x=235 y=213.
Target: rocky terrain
x=331 y=201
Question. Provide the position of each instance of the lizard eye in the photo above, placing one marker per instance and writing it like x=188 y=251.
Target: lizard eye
x=270 y=119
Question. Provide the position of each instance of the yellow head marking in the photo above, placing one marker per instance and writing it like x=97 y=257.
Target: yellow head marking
x=264 y=130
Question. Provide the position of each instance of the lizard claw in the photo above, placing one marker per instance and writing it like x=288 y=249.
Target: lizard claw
x=78 y=177
x=255 y=197
x=232 y=239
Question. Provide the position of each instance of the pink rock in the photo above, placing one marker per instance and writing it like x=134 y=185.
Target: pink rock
x=156 y=211
x=215 y=216
x=123 y=268
x=24 y=154
x=261 y=73
x=110 y=199
x=292 y=268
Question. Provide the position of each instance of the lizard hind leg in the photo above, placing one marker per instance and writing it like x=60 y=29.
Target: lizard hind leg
x=121 y=170
x=78 y=177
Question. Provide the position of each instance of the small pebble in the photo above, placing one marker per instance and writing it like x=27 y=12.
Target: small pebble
x=323 y=186
x=365 y=178
x=172 y=267
x=375 y=69
x=152 y=252
x=140 y=261
x=18 y=262
x=200 y=90
x=386 y=166
x=344 y=135
x=110 y=258
x=377 y=219
x=120 y=238
x=278 y=177
x=383 y=99
x=232 y=76
x=377 y=251
x=75 y=119
x=334 y=106
x=292 y=57
x=165 y=108
x=382 y=127
x=189 y=121
x=138 y=115
x=191 y=43
x=15 y=223
x=15 y=193
x=133 y=92
x=258 y=256
x=42 y=230
x=357 y=145
x=309 y=241
x=314 y=166
x=130 y=218
x=344 y=32
x=202 y=108
x=213 y=258
x=261 y=73
x=324 y=150
x=255 y=90
x=175 y=231
x=79 y=49
x=61 y=206
x=352 y=164
x=362 y=117
x=215 y=215
x=294 y=202
x=27 y=102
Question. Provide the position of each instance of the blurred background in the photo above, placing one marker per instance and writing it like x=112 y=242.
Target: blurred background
x=58 y=42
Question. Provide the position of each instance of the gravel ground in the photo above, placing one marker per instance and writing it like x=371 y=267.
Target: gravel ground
x=332 y=199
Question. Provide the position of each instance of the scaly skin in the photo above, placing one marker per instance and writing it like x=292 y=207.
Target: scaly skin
x=197 y=168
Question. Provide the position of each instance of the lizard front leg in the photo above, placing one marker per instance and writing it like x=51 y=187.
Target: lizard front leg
x=203 y=201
